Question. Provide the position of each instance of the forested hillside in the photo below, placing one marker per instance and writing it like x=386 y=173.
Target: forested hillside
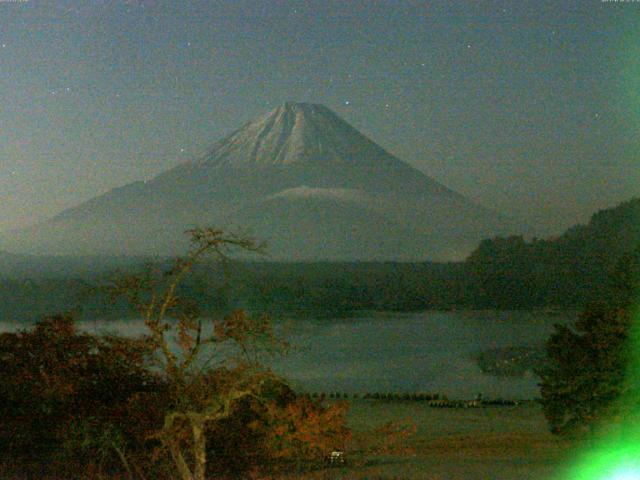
x=502 y=273
x=569 y=270
x=562 y=272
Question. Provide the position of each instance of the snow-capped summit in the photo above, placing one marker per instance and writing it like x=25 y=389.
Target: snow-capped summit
x=292 y=133
x=299 y=177
x=306 y=141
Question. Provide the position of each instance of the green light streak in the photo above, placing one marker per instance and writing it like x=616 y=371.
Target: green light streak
x=616 y=453
x=613 y=461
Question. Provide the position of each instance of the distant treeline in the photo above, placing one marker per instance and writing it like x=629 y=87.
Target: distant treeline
x=568 y=271
x=502 y=273
x=565 y=272
x=432 y=399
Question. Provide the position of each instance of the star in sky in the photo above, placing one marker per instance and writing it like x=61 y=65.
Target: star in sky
x=363 y=72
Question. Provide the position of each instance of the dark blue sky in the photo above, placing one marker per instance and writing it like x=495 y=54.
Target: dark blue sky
x=531 y=108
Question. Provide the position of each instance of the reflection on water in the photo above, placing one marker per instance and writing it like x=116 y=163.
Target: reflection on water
x=426 y=351
x=397 y=352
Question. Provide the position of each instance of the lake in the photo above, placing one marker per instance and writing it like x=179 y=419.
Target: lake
x=413 y=352
x=427 y=351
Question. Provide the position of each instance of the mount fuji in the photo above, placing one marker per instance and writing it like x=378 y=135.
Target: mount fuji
x=299 y=177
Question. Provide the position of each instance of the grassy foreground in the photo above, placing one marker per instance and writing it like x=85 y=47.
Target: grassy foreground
x=488 y=443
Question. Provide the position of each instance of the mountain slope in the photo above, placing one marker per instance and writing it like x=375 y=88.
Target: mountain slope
x=299 y=172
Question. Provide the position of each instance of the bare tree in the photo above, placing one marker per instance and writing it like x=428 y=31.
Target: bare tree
x=176 y=340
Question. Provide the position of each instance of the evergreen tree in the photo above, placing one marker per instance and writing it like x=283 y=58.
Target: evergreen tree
x=586 y=372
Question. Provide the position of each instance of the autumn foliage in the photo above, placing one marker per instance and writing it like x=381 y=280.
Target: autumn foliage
x=190 y=399
x=74 y=402
x=302 y=431
x=64 y=392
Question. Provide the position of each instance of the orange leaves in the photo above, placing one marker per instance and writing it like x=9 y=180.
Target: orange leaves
x=253 y=335
x=304 y=430
x=187 y=334
x=54 y=379
x=240 y=327
x=210 y=406
x=44 y=360
x=58 y=326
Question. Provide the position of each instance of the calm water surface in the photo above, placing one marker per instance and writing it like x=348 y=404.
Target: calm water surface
x=426 y=351
x=398 y=352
